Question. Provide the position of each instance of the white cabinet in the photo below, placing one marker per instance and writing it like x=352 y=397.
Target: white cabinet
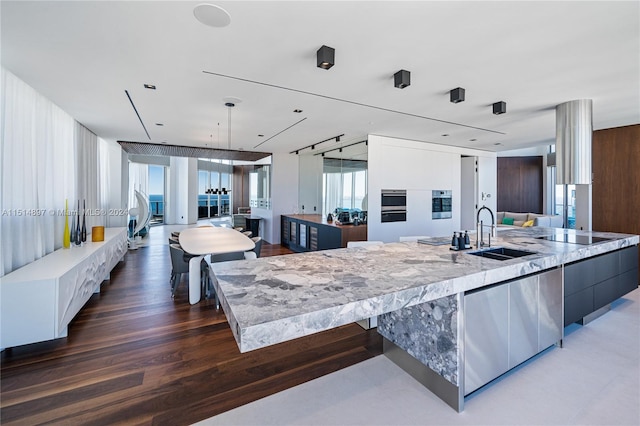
x=39 y=300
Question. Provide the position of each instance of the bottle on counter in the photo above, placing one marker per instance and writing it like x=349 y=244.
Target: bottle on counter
x=454 y=242
x=467 y=241
x=461 y=242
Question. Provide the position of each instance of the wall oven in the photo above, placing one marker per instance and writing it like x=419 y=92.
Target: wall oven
x=440 y=204
x=394 y=205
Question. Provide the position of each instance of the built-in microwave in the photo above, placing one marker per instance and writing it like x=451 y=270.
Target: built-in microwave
x=441 y=204
x=394 y=205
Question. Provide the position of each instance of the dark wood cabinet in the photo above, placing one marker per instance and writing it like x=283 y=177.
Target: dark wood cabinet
x=520 y=184
x=594 y=283
x=311 y=232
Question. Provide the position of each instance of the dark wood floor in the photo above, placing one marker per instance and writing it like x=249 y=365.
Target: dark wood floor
x=136 y=356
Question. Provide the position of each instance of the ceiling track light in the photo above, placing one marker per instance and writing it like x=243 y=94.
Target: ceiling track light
x=499 y=108
x=366 y=142
x=313 y=146
x=456 y=95
x=326 y=57
x=402 y=79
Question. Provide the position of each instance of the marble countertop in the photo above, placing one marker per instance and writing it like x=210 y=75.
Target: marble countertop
x=275 y=299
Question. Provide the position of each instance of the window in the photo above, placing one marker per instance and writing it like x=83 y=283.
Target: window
x=564 y=198
x=156 y=193
x=344 y=184
x=214 y=188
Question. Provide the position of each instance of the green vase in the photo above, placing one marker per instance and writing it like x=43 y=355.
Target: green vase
x=66 y=237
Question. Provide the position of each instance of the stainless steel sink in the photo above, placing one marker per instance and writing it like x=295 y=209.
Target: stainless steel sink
x=501 y=253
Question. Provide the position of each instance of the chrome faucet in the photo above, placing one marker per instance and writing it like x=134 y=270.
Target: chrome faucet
x=480 y=225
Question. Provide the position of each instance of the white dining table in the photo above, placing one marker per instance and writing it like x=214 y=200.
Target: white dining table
x=203 y=241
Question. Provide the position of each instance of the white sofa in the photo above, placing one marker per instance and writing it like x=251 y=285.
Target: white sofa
x=519 y=219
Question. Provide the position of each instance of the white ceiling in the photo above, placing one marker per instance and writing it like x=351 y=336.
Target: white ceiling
x=83 y=55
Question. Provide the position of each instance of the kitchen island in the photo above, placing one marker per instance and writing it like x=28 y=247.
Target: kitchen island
x=413 y=288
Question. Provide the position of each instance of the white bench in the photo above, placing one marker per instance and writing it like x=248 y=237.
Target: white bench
x=39 y=300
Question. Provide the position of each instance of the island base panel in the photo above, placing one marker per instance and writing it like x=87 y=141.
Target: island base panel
x=594 y=315
x=425 y=341
x=449 y=393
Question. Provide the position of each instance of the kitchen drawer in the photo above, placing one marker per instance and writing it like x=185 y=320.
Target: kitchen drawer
x=578 y=305
x=605 y=266
x=627 y=282
x=605 y=293
x=578 y=276
x=629 y=259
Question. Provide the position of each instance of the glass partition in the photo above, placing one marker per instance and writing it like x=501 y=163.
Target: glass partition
x=334 y=181
x=214 y=188
x=260 y=187
x=344 y=185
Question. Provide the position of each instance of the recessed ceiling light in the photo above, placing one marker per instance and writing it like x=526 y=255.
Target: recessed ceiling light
x=445 y=134
x=212 y=15
x=298 y=111
x=497 y=143
x=159 y=124
x=150 y=86
x=231 y=100
x=261 y=136
x=473 y=140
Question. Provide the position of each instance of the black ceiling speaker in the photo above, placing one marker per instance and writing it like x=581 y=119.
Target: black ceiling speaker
x=499 y=108
x=402 y=79
x=326 y=57
x=456 y=95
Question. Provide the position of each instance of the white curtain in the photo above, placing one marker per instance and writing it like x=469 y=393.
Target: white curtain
x=88 y=176
x=37 y=173
x=332 y=192
x=138 y=179
x=105 y=185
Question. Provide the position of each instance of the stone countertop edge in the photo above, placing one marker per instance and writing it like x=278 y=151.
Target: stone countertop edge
x=253 y=330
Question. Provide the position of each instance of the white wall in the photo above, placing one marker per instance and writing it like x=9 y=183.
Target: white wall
x=310 y=167
x=583 y=207
x=468 y=192
x=182 y=191
x=284 y=194
x=118 y=175
x=488 y=182
x=420 y=168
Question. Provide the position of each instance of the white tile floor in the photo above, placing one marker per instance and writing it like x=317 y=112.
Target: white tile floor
x=593 y=380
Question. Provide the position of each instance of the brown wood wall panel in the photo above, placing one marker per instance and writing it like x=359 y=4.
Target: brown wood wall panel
x=240 y=187
x=520 y=184
x=616 y=180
